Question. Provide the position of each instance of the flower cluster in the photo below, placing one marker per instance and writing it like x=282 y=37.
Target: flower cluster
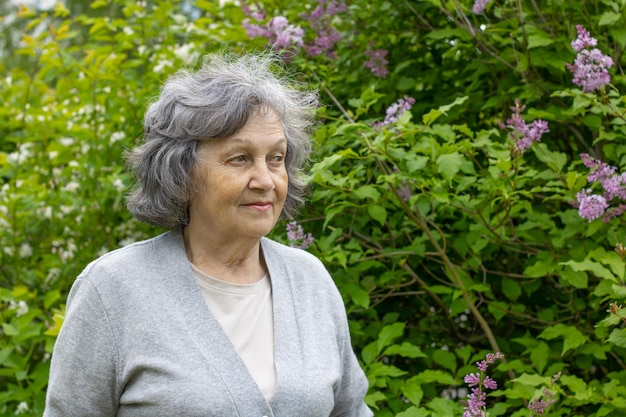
x=395 y=111
x=479 y=6
x=284 y=36
x=522 y=133
x=591 y=66
x=475 y=405
x=278 y=32
x=377 y=62
x=538 y=406
x=591 y=206
x=320 y=19
x=297 y=237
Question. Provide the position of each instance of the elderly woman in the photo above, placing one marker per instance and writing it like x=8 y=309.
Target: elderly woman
x=211 y=318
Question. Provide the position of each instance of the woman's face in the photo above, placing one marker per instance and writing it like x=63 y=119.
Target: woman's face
x=241 y=181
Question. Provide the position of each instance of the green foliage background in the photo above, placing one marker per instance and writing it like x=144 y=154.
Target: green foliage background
x=445 y=244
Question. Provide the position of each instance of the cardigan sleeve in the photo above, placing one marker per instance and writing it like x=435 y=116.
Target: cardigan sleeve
x=83 y=366
x=351 y=390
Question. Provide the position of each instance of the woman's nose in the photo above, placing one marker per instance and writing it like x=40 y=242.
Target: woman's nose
x=261 y=176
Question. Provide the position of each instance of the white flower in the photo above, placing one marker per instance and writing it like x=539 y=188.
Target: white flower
x=71 y=186
x=53 y=274
x=20 y=307
x=26 y=250
x=183 y=52
x=22 y=408
x=66 y=141
x=119 y=184
x=161 y=65
x=127 y=241
x=117 y=136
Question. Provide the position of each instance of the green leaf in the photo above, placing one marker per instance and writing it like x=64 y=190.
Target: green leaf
x=577 y=279
x=540 y=355
x=445 y=359
x=367 y=191
x=10 y=330
x=406 y=350
x=359 y=296
x=609 y=18
x=590 y=266
x=618 y=337
x=369 y=353
x=449 y=164
x=573 y=337
x=416 y=163
x=388 y=334
x=578 y=386
x=539 y=39
x=429 y=376
x=378 y=369
x=378 y=213
x=413 y=392
x=458 y=101
x=98 y=4
x=431 y=116
x=539 y=269
x=414 y=412
x=611 y=259
x=511 y=289
x=498 y=309
x=373 y=398
x=532 y=380
x=4 y=354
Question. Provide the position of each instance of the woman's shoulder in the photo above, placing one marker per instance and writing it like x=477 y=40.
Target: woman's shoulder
x=125 y=260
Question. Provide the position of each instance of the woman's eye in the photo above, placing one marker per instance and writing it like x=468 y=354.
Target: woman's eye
x=278 y=158
x=238 y=159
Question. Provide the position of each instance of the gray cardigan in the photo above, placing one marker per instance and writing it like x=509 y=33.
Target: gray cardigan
x=138 y=340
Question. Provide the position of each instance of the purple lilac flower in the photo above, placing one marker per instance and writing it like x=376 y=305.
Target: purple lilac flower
x=395 y=111
x=590 y=206
x=297 y=237
x=475 y=405
x=523 y=134
x=539 y=406
x=479 y=6
x=376 y=62
x=591 y=67
x=583 y=40
x=472 y=379
x=321 y=19
x=614 y=184
x=258 y=14
x=278 y=31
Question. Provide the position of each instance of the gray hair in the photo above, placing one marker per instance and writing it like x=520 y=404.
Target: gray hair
x=214 y=102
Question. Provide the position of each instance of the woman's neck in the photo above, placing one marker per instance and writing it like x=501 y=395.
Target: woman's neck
x=238 y=260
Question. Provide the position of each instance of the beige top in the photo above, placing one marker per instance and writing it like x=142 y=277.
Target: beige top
x=245 y=313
